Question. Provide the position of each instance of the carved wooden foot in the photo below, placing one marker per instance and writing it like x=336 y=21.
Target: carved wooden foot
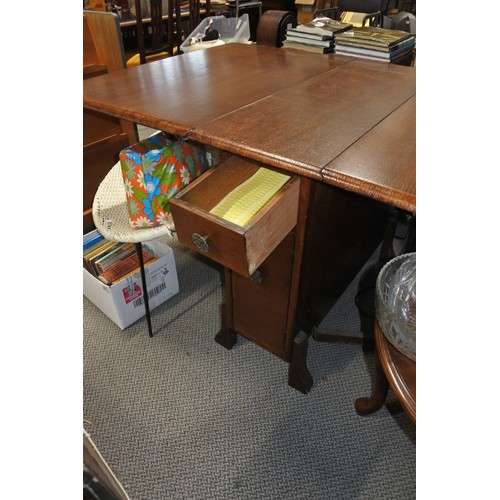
x=380 y=386
x=227 y=337
x=298 y=374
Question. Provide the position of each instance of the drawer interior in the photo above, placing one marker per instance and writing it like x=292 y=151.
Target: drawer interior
x=219 y=182
x=241 y=248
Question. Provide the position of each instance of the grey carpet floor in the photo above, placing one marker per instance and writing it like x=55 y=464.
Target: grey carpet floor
x=177 y=416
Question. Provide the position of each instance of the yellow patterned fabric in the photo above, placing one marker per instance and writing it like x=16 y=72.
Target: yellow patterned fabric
x=243 y=202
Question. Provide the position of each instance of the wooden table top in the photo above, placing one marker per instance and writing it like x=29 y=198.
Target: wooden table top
x=341 y=120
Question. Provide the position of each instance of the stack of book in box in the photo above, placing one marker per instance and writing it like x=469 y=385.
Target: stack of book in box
x=110 y=261
x=378 y=44
x=315 y=36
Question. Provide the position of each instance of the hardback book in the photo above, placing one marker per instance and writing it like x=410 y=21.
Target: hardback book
x=309 y=36
x=133 y=271
x=322 y=27
x=380 y=48
x=95 y=254
x=92 y=241
x=119 y=253
x=404 y=52
x=308 y=48
x=308 y=41
x=119 y=269
x=94 y=247
x=374 y=36
x=348 y=50
x=106 y=250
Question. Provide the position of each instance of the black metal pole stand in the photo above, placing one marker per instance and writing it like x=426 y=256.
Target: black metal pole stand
x=138 y=247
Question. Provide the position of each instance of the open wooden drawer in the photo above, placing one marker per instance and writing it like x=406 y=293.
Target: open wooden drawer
x=242 y=249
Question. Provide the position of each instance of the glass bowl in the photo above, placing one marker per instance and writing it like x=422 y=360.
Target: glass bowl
x=396 y=303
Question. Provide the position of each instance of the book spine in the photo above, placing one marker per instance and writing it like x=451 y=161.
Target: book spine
x=121 y=254
x=308 y=41
x=400 y=45
x=355 y=50
x=92 y=241
x=109 y=256
x=123 y=267
x=347 y=50
x=308 y=48
x=387 y=42
x=362 y=56
x=312 y=36
x=104 y=250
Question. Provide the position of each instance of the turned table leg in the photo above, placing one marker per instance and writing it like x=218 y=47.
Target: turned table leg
x=380 y=386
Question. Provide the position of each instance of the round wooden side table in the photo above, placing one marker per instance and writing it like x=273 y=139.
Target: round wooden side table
x=394 y=369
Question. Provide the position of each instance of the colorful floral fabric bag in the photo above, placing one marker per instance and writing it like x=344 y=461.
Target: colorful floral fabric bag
x=156 y=169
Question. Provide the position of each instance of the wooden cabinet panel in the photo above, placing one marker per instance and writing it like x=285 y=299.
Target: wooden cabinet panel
x=260 y=309
x=103 y=135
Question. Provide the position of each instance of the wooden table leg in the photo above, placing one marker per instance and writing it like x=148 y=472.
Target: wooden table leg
x=226 y=337
x=380 y=386
x=299 y=376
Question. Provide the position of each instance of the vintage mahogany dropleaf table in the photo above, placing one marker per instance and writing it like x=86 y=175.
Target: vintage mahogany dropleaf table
x=342 y=128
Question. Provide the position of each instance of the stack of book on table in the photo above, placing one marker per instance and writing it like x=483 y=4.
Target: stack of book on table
x=378 y=44
x=110 y=261
x=315 y=36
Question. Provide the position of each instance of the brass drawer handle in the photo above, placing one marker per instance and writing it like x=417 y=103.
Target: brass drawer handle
x=200 y=242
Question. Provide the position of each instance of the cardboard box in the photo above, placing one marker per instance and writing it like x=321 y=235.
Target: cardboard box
x=307 y=8
x=123 y=302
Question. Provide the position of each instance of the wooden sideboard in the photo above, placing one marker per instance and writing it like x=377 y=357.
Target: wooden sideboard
x=104 y=136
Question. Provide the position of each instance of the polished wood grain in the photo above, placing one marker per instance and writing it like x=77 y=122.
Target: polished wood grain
x=297 y=111
x=179 y=94
x=104 y=42
x=98 y=126
x=394 y=369
x=382 y=164
x=273 y=25
x=98 y=158
x=401 y=372
x=259 y=309
x=312 y=122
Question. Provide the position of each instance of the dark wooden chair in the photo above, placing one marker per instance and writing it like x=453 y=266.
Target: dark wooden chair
x=373 y=10
x=236 y=7
x=162 y=40
x=165 y=42
x=195 y=13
